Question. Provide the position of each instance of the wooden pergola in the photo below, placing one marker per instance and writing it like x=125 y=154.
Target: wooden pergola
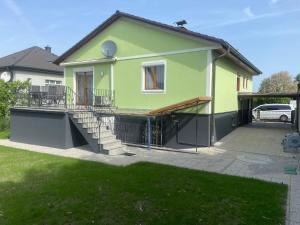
x=180 y=105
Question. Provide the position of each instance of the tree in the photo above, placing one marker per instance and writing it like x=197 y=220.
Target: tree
x=9 y=92
x=297 y=78
x=277 y=83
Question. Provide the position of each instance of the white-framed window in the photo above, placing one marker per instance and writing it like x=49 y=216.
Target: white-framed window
x=154 y=77
x=53 y=82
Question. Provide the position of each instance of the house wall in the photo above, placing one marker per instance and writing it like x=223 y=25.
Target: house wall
x=36 y=78
x=186 y=73
x=41 y=127
x=134 y=38
x=226 y=94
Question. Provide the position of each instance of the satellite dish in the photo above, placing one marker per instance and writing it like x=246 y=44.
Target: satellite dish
x=5 y=76
x=109 y=48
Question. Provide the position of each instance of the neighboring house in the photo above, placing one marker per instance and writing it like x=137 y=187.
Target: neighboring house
x=184 y=84
x=34 y=64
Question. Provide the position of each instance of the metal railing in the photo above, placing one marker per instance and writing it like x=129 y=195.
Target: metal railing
x=58 y=96
x=131 y=132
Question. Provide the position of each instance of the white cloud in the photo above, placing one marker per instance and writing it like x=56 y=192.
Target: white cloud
x=18 y=12
x=20 y=16
x=12 y=5
x=274 y=1
x=248 y=12
x=250 y=18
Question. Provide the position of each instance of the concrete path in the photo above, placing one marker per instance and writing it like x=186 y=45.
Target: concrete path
x=259 y=166
x=258 y=137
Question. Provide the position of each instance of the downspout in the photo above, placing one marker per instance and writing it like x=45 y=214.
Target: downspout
x=212 y=120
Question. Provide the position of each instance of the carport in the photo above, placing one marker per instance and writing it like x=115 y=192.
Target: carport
x=259 y=137
x=246 y=105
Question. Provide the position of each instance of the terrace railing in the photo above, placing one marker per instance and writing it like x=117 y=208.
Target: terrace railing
x=58 y=96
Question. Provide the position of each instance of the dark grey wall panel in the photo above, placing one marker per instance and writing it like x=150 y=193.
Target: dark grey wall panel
x=45 y=128
x=73 y=136
x=225 y=123
x=186 y=131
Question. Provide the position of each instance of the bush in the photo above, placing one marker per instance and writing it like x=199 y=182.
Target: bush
x=8 y=94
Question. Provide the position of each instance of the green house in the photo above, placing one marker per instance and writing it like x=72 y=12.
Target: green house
x=183 y=84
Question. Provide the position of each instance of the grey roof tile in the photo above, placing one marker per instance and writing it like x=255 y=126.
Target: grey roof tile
x=31 y=58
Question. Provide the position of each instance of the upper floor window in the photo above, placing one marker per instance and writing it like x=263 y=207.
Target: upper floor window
x=53 y=82
x=238 y=83
x=154 y=77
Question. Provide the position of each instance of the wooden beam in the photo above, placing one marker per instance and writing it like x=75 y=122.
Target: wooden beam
x=180 y=105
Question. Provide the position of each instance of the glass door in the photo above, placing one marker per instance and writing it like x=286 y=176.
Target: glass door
x=84 y=87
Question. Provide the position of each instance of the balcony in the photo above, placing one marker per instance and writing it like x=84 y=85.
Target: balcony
x=64 y=97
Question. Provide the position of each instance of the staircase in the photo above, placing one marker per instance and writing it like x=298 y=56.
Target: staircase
x=98 y=135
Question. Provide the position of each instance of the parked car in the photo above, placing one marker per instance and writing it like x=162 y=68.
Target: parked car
x=281 y=112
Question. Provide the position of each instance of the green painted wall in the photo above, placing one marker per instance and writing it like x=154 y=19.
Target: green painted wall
x=133 y=39
x=185 y=73
x=226 y=98
x=181 y=68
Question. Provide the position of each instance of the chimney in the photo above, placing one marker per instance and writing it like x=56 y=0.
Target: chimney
x=48 y=49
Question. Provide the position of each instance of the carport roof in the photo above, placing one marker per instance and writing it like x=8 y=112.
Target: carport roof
x=269 y=95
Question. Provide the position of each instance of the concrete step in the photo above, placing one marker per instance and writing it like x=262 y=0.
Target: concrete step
x=103 y=135
x=79 y=116
x=96 y=130
x=114 y=151
x=87 y=120
x=110 y=142
x=107 y=139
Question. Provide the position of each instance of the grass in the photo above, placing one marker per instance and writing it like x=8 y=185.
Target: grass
x=4 y=128
x=4 y=134
x=43 y=189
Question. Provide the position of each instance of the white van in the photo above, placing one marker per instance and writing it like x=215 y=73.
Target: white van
x=281 y=112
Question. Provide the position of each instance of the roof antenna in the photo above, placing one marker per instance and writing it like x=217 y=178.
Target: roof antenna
x=181 y=23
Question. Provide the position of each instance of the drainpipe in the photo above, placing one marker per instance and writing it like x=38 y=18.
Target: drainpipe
x=212 y=120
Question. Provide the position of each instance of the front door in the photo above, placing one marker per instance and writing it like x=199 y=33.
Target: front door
x=84 y=88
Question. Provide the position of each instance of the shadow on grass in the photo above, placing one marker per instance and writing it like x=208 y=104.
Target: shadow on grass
x=42 y=189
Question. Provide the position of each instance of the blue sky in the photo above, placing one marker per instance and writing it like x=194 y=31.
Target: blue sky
x=266 y=31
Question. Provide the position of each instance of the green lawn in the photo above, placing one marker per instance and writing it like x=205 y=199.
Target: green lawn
x=4 y=134
x=42 y=189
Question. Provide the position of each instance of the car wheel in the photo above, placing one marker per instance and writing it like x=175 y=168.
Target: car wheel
x=283 y=118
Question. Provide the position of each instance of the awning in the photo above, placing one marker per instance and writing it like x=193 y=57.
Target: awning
x=180 y=105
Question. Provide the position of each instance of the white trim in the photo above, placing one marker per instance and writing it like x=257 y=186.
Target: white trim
x=153 y=63
x=81 y=69
x=166 y=53
x=65 y=76
x=87 y=62
x=209 y=71
x=137 y=56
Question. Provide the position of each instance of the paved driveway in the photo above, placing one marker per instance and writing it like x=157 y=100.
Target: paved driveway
x=258 y=137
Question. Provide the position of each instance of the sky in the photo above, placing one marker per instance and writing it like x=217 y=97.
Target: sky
x=267 y=32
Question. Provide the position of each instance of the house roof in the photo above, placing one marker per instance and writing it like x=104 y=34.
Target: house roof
x=31 y=59
x=225 y=45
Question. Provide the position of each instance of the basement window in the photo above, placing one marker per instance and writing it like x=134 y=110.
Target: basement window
x=153 y=77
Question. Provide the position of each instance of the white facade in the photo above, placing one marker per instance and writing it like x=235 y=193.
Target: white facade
x=40 y=79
